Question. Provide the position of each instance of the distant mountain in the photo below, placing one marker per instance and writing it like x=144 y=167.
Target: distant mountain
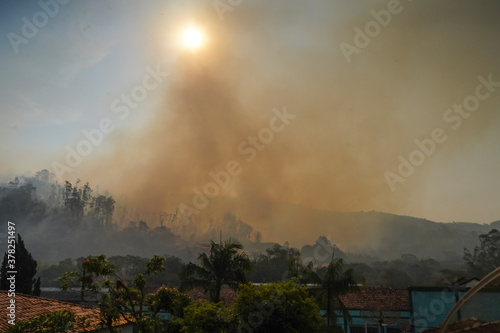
x=378 y=234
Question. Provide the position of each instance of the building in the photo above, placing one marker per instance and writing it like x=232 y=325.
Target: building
x=431 y=305
x=421 y=309
x=27 y=307
x=376 y=310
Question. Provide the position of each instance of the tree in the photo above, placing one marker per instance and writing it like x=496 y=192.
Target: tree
x=102 y=209
x=20 y=203
x=222 y=266
x=279 y=263
x=87 y=278
x=76 y=200
x=395 y=278
x=202 y=316
x=23 y=264
x=334 y=283
x=277 y=307
x=131 y=302
x=485 y=257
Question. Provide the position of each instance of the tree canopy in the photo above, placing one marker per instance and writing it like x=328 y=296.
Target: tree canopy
x=485 y=257
x=223 y=265
x=277 y=307
x=25 y=266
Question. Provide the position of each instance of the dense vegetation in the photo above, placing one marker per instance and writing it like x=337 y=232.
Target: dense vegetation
x=282 y=306
x=87 y=222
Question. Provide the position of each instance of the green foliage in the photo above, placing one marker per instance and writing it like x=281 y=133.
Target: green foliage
x=25 y=266
x=202 y=316
x=54 y=322
x=168 y=299
x=88 y=277
x=485 y=257
x=109 y=311
x=277 y=307
x=130 y=266
x=50 y=273
x=279 y=263
x=155 y=265
x=132 y=303
x=223 y=265
x=335 y=282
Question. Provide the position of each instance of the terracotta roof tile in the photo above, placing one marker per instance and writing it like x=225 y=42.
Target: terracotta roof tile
x=370 y=298
x=28 y=306
x=378 y=298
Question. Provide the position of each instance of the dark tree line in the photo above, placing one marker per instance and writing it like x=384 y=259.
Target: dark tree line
x=21 y=261
x=486 y=257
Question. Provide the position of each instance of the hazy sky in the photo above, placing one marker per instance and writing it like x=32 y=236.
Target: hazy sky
x=360 y=81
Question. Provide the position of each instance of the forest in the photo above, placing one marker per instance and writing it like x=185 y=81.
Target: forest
x=88 y=222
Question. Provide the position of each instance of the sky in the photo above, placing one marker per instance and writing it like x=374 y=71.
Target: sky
x=390 y=106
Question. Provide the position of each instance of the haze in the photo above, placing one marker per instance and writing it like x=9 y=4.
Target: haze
x=350 y=115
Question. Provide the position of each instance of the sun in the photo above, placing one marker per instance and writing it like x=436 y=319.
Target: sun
x=192 y=37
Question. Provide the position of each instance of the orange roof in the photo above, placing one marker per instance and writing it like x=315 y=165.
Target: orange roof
x=378 y=298
x=28 y=306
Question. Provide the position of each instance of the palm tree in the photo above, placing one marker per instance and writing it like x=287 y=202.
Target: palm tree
x=223 y=265
x=335 y=283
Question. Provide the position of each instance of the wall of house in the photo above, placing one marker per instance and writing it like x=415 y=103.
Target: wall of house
x=360 y=318
x=430 y=306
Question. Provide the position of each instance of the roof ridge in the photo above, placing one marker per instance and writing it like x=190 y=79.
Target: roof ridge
x=52 y=300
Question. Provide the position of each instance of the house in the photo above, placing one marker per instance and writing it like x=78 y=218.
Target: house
x=431 y=305
x=27 y=307
x=465 y=282
x=376 y=310
x=71 y=295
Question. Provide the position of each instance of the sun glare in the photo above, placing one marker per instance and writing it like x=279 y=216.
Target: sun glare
x=192 y=38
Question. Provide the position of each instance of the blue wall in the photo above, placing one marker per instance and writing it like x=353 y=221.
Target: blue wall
x=357 y=320
x=430 y=306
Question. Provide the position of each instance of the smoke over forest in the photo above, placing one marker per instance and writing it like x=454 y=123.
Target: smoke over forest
x=271 y=128
x=351 y=122
x=83 y=221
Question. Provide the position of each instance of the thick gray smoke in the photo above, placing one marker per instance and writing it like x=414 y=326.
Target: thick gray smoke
x=351 y=120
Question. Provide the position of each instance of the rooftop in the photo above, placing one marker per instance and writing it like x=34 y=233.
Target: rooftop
x=378 y=298
x=28 y=306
